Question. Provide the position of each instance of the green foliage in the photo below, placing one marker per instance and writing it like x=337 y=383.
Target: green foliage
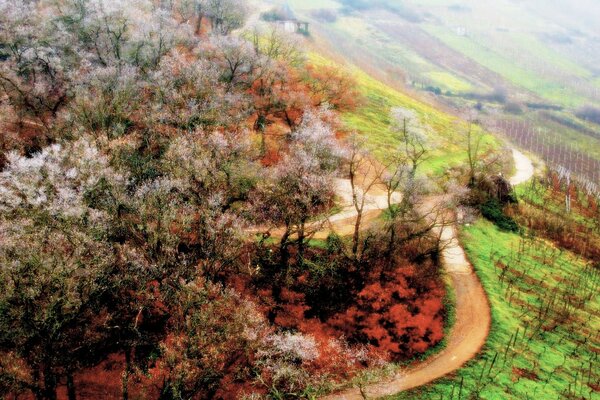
x=276 y=14
x=492 y=210
x=334 y=243
x=142 y=166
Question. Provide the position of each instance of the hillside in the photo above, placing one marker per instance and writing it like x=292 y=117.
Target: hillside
x=168 y=175
x=342 y=199
x=518 y=64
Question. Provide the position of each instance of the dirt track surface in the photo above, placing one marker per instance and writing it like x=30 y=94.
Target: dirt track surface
x=472 y=312
x=524 y=168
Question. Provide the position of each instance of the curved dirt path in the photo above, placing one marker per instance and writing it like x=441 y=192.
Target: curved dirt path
x=524 y=168
x=472 y=314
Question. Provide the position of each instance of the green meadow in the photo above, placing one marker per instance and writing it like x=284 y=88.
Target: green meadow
x=546 y=320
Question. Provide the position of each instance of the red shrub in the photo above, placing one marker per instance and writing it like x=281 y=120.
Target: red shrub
x=394 y=316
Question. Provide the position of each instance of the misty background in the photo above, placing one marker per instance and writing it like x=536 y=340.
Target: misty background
x=529 y=69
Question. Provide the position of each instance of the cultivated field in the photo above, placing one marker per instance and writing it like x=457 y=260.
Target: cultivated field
x=546 y=319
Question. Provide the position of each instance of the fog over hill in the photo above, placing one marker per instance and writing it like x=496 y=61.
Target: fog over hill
x=528 y=68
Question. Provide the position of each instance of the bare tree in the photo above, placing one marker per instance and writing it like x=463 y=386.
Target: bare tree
x=413 y=148
x=273 y=86
x=364 y=175
x=394 y=179
x=226 y=15
x=32 y=70
x=473 y=144
x=237 y=59
x=276 y=45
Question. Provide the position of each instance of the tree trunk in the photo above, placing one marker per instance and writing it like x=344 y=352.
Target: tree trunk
x=301 y=241
x=263 y=143
x=356 y=236
x=391 y=244
x=125 y=380
x=260 y=125
x=284 y=248
x=49 y=392
x=472 y=180
x=71 y=393
x=37 y=392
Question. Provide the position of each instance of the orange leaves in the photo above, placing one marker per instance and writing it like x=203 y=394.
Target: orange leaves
x=332 y=85
x=292 y=310
x=271 y=157
x=392 y=315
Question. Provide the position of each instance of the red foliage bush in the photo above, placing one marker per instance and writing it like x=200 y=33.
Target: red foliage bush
x=290 y=312
x=394 y=316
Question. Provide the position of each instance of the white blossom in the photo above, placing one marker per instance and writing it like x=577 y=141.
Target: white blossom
x=55 y=179
x=292 y=346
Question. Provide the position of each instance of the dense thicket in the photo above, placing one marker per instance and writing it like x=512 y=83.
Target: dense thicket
x=150 y=214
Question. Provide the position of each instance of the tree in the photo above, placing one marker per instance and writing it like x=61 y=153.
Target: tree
x=332 y=86
x=481 y=164
x=212 y=338
x=237 y=60
x=60 y=279
x=111 y=33
x=226 y=15
x=414 y=149
x=364 y=175
x=302 y=185
x=393 y=179
x=49 y=305
x=214 y=172
x=107 y=101
x=473 y=144
x=187 y=95
x=67 y=49
x=277 y=87
x=192 y=9
x=32 y=71
x=407 y=222
x=276 y=45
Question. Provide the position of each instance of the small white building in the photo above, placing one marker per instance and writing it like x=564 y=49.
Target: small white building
x=461 y=31
x=293 y=26
x=288 y=26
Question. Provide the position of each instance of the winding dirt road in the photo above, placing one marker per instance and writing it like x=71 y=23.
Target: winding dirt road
x=524 y=168
x=472 y=310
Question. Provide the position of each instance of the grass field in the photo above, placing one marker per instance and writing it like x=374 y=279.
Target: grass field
x=447 y=81
x=509 y=68
x=372 y=119
x=544 y=342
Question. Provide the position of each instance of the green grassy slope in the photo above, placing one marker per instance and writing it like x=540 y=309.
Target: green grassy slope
x=372 y=119
x=512 y=70
x=544 y=340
